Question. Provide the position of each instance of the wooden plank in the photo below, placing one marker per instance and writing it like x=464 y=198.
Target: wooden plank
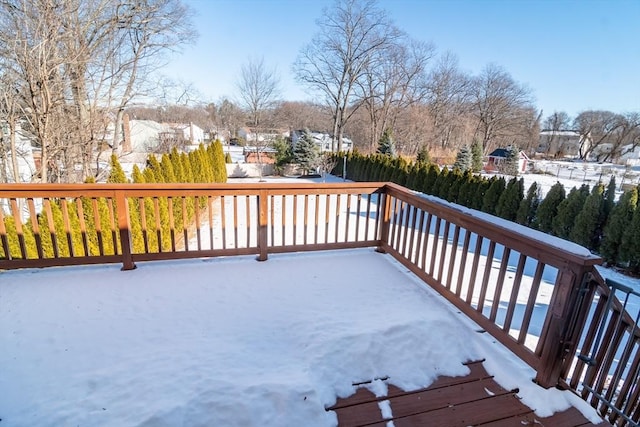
x=471 y=413
x=428 y=400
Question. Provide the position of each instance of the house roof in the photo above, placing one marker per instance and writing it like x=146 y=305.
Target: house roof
x=503 y=153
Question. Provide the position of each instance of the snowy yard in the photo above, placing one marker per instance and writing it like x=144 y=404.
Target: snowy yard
x=230 y=341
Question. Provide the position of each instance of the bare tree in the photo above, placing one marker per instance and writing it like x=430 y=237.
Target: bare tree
x=393 y=80
x=79 y=60
x=258 y=89
x=448 y=94
x=608 y=133
x=350 y=33
x=498 y=104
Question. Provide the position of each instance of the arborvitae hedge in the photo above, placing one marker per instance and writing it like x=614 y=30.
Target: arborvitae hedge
x=206 y=164
x=494 y=196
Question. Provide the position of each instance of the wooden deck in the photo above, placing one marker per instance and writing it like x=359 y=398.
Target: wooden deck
x=474 y=400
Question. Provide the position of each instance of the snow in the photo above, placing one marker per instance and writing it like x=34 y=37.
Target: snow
x=232 y=341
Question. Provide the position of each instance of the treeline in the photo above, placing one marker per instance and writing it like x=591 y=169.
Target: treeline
x=96 y=216
x=590 y=217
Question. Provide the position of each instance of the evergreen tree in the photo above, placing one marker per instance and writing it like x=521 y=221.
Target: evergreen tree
x=431 y=179
x=227 y=158
x=548 y=208
x=609 y=197
x=386 y=145
x=618 y=224
x=511 y=163
x=510 y=199
x=568 y=210
x=463 y=159
x=492 y=196
x=116 y=175
x=306 y=153
x=423 y=155
x=453 y=192
x=630 y=248
x=168 y=175
x=585 y=231
x=477 y=196
x=476 y=156
x=528 y=206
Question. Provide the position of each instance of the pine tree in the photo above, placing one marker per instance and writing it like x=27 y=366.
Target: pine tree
x=476 y=156
x=386 y=145
x=511 y=163
x=492 y=196
x=463 y=159
x=305 y=153
x=227 y=158
x=528 y=206
x=630 y=248
x=510 y=199
x=568 y=210
x=609 y=197
x=548 y=208
x=618 y=224
x=423 y=155
x=585 y=231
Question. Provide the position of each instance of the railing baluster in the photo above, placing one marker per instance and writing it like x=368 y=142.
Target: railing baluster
x=515 y=290
x=358 y=205
x=434 y=249
x=4 y=239
x=316 y=198
x=427 y=235
x=506 y=252
x=443 y=251
x=247 y=214
x=348 y=219
x=35 y=227
x=474 y=269
x=454 y=253
x=185 y=226
x=83 y=227
x=52 y=228
x=485 y=278
x=463 y=262
x=337 y=218
x=531 y=302
x=420 y=232
x=327 y=213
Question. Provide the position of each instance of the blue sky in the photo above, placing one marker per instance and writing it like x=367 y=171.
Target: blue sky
x=574 y=55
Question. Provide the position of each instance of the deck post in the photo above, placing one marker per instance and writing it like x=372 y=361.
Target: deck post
x=385 y=220
x=262 y=225
x=559 y=334
x=124 y=226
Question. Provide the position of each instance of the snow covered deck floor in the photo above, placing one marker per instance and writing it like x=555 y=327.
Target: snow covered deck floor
x=235 y=342
x=472 y=400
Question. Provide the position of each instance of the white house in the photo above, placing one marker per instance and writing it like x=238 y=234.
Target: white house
x=562 y=143
x=630 y=155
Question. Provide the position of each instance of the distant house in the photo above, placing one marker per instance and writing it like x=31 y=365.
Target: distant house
x=497 y=159
x=630 y=155
x=562 y=144
x=322 y=140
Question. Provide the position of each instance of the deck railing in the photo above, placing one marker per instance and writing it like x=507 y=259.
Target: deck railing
x=539 y=296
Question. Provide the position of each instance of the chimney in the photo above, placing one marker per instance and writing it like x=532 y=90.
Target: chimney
x=126 y=134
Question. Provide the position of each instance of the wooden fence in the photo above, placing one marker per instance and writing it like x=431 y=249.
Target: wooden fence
x=505 y=277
